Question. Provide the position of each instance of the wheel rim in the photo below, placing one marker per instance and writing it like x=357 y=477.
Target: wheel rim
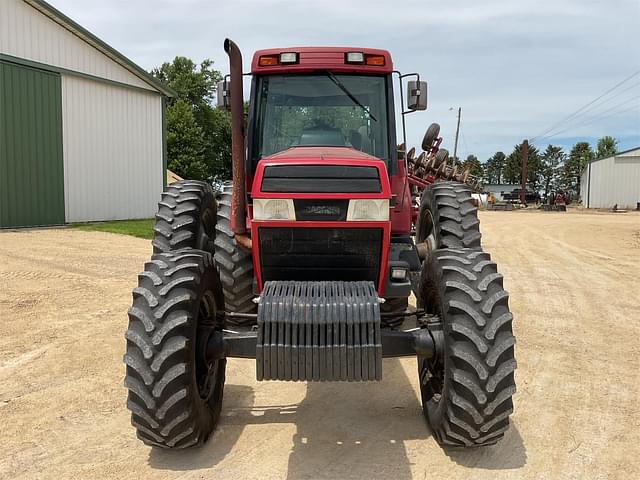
x=428 y=231
x=431 y=379
x=206 y=373
x=206 y=231
x=432 y=370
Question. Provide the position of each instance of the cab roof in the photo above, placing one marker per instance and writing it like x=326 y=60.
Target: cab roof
x=310 y=59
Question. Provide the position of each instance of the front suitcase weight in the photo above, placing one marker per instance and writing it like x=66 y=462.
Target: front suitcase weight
x=319 y=331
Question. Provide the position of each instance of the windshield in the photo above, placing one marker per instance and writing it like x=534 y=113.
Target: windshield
x=321 y=110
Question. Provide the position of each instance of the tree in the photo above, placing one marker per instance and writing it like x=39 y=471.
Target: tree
x=513 y=166
x=198 y=135
x=185 y=142
x=580 y=155
x=607 y=147
x=473 y=165
x=494 y=167
x=196 y=86
x=551 y=164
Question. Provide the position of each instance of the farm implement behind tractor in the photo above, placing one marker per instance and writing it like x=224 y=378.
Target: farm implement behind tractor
x=306 y=260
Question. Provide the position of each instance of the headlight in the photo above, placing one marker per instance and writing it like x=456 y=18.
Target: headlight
x=368 y=210
x=273 y=209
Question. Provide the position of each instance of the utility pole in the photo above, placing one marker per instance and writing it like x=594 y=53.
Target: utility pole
x=523 y=180
x=455 y=147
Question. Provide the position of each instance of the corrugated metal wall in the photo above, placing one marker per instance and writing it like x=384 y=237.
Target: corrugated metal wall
x=26 y=33
x=614 y=180
x=112 y=151
x=31 y=167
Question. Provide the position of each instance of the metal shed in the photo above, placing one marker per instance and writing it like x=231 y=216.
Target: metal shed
x=81 y=126
x=610 y=181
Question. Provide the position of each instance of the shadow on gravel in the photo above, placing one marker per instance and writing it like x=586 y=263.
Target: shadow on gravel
x=357 y=430
x=509 y=453
x=236 y=398
x=344 y=430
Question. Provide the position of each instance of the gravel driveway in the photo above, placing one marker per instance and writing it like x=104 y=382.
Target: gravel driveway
x=575 y=295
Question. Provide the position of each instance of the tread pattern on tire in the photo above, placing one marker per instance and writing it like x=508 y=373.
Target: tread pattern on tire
x=166 y=408
x=479 y=349
x=455 y=216
x=235 y=265
x=178 y=221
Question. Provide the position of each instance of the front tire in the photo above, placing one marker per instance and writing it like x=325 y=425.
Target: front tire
x=175 y=395
x=467 y=386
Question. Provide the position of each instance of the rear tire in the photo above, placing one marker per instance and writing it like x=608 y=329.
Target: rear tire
x=467 y=387
x=186 y=217
x=174 y=395
x=448 y=216
x=234 y=264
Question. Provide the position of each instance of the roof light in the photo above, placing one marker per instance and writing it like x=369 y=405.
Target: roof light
x=268 y=60
x=376 y=60
x=354 y=57
x=289 y=57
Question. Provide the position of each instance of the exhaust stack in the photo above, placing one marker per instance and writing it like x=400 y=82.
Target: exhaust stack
x=238 y=199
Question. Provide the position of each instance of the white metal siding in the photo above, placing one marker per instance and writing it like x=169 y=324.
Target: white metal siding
x=112 y=151
x=27 y=33
x=614 y=180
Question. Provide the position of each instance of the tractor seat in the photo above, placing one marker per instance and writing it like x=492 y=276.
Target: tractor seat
x=322 y=137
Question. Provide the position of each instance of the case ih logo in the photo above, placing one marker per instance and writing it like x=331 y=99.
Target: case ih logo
x=321 y=210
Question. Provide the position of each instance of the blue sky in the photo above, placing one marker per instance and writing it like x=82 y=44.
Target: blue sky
x=515 y=67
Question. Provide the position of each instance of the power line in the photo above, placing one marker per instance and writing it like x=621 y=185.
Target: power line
x=591 y=108
x=581 y=109
x=633 y=107
x=598 y=116
x=578 y=122
x=464 y=142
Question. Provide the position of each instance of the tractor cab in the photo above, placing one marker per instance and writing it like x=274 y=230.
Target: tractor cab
x=295 y=106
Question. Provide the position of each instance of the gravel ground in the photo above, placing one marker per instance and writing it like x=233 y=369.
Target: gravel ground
x=574 y=284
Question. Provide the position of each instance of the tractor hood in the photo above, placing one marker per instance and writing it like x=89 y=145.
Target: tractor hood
x=320 y=154
x=321 y=171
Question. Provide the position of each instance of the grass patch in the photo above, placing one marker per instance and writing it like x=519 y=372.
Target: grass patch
x=137 y=228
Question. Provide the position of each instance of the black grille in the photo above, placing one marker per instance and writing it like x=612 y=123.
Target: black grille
x=314 y=254
x=321 y=179
x=327 y=210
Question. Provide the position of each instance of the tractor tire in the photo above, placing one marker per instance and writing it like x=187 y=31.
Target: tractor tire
x=235 y=265
x=430 y=136
x=467 y=387
x=441 y=157
x=448 y=218
x=186 y=217
x=175 y=396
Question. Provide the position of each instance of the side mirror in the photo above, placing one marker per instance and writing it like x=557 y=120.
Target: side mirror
x=223 y=95
x=416 y=95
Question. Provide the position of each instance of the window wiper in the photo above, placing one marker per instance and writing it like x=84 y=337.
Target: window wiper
x=341 y=86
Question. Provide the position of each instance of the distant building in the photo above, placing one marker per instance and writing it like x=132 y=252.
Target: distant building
x=612 y=181
x=81 y=126
x=499 y=189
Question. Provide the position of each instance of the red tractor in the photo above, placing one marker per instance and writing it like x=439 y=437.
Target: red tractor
x=306 y=261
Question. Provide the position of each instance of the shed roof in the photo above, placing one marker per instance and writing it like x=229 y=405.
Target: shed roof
x=624 y=152
x=84 y=34
x=616 y=155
